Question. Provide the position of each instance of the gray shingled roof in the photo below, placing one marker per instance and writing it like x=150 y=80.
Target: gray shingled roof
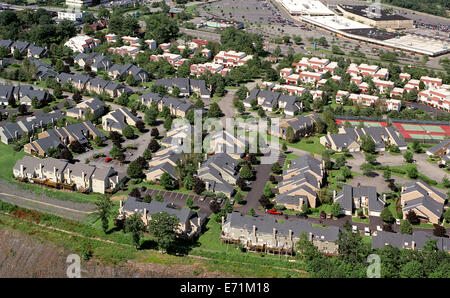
x=265 y=224
x=133 y=204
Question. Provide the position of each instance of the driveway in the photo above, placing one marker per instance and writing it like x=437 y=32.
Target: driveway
x=430 y=170
x=257 y=188
x=226 y=105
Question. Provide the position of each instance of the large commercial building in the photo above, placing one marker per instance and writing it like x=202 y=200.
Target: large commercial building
x=78 y=3
x=375 y=17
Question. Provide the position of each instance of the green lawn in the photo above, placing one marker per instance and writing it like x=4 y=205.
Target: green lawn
x=315 y=147
x=8 y=159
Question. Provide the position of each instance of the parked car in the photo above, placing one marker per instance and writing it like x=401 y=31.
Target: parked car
x=232 y=201
x=323 y=215
x=171 y=205
x=219 y=200
x=108 y=159
x=274 y=211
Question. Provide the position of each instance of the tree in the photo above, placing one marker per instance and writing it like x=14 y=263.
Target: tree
x=416 y=147
x=265 y=202
x=370 y=158
x=162 y=28
x=345 y=171
x=188 y=182
x=35 y=103
x=12 y=102
x=22 y=109
x=104 y=210
x=276 y=168
x=252 y=212
x=290 y=135
x=366 y=168
x=134 y=170
x=131 y=80
x=405 y=227
x=153 y=146
x=76 y=147
x=135 y=193
x=190 y=202
x=128 y=132
x=66 y=154
x=151 y=115
x=412 y=217
x=147 y=198
x=447 y=215
x=154 y=132
x=135 y=226
x=387 y=174
x=439 y=231
x=214 y=111
x=115 y=137
x=140 y=125
x=413 y=173
x=168 y=123
x=412 y=269
x=336 y=209
x=147 y=155
x=163 y=227
x=77 y=96
x=246 y=172
x=199 y=185
x=98 y=140
x=167 y=181
x=199 y=103
x=367 y=144
x=408 y=156
x=159 y=198
x=386 y=215
x=351 y=249
x=284 y=147
x=57 y=91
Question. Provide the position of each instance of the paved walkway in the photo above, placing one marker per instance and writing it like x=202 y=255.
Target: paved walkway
x=27 y=199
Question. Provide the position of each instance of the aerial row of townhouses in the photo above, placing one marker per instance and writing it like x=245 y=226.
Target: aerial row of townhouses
x=61 y=174
x=24 y=48
x=24 y=94
x=311 y=70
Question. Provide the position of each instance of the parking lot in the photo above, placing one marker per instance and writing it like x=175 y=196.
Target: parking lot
x=179 y=199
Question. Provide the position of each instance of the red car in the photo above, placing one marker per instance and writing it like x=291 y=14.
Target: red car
x=274 y=211
x=108 y=159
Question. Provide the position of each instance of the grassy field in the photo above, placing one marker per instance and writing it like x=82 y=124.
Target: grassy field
x=313 y=147
x=8 y=159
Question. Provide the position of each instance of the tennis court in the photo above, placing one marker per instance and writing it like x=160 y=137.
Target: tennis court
x=417 y=127
x=366 y=123
x=423 y=131
x=426 y=137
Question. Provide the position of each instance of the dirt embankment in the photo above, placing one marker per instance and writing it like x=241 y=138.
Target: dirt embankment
x=23 y=255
